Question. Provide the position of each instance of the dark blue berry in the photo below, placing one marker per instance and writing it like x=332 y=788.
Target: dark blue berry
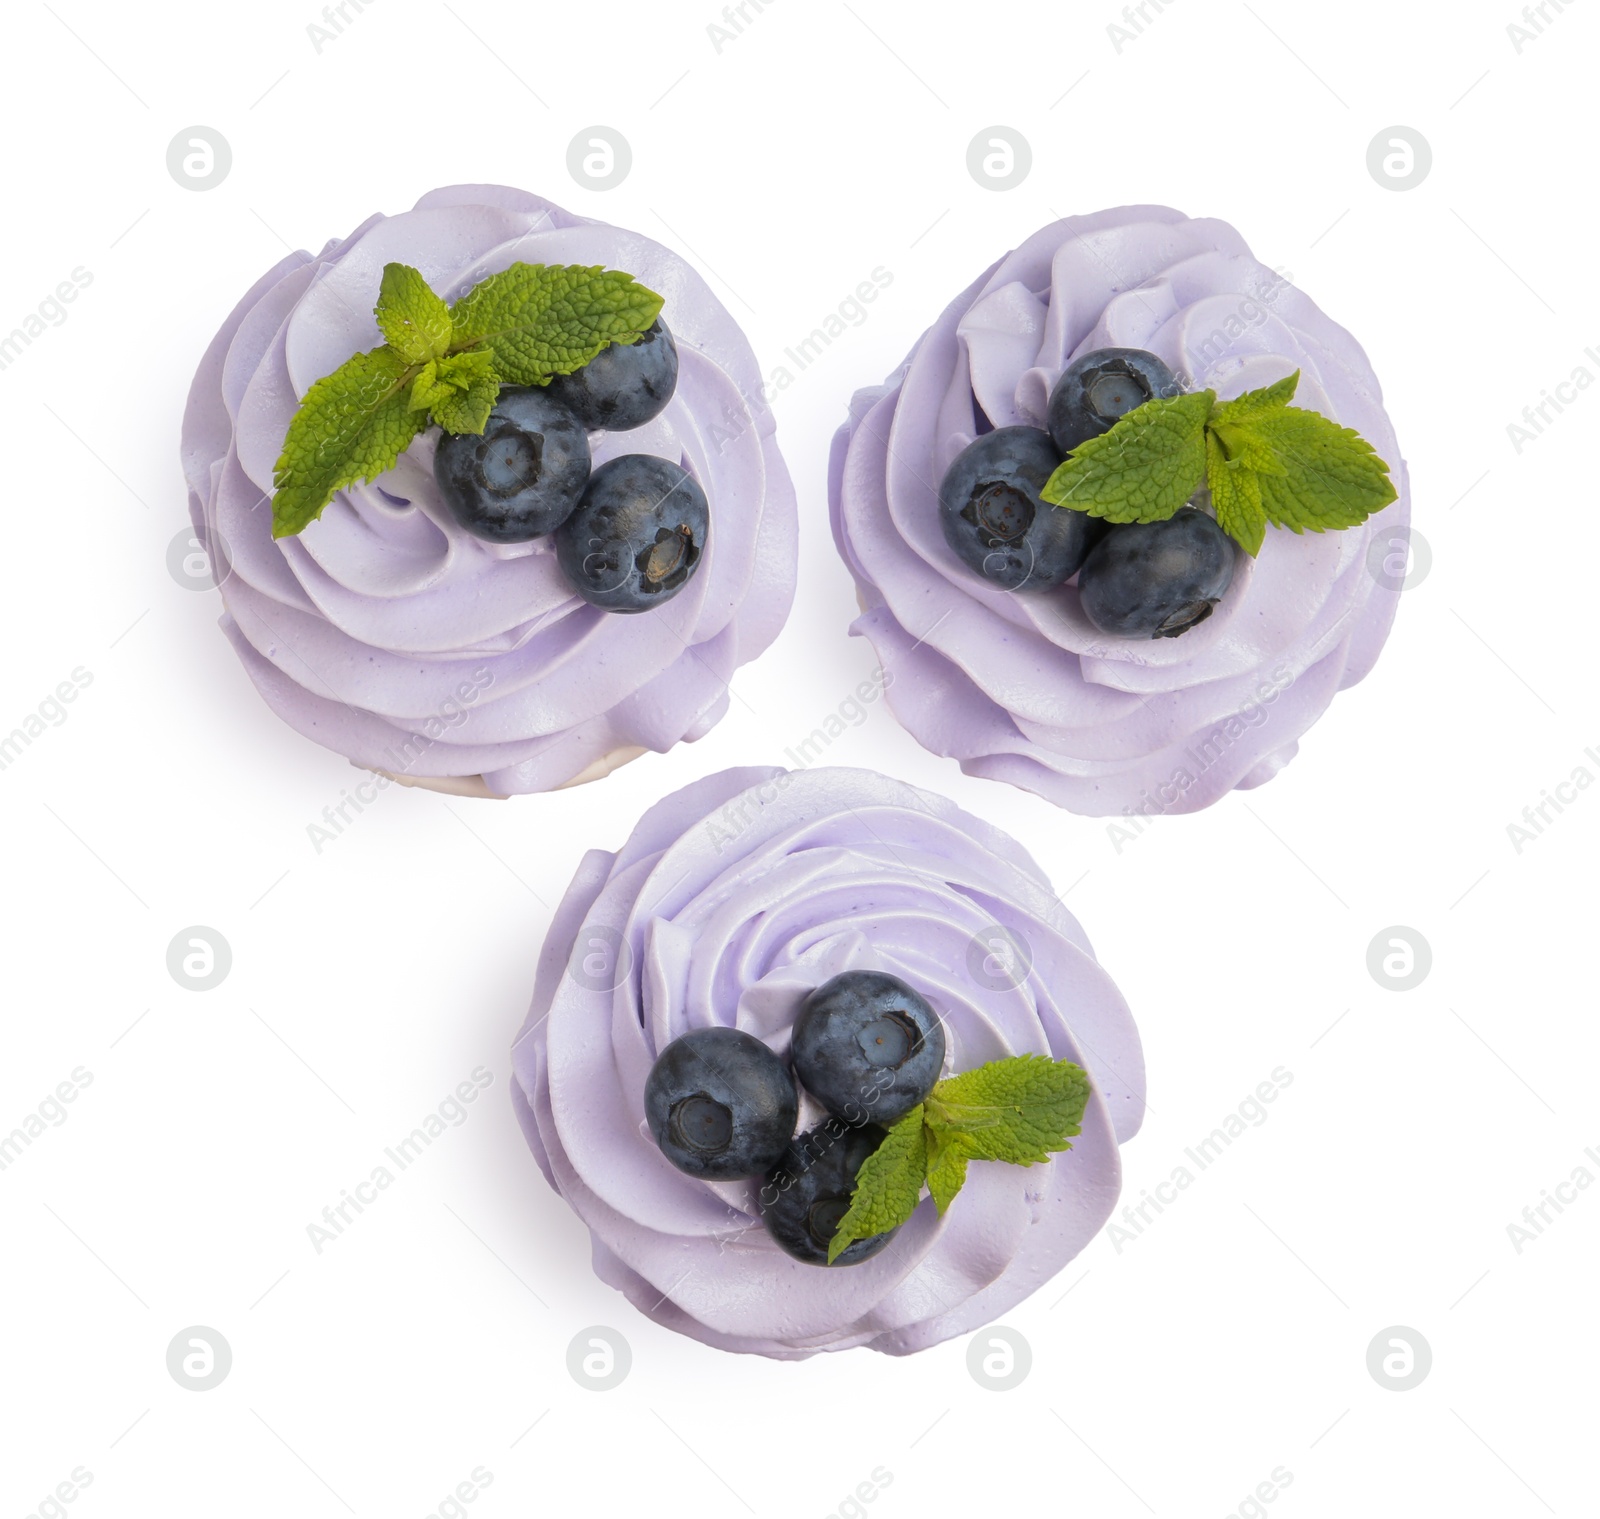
x=995 y=520
x=1157 y=579
x=523 y=475
x=720 y=1104
x=808 y=1192
x=867 y=1046
x=1098 y=387
x=624 y=385
x=637 y=536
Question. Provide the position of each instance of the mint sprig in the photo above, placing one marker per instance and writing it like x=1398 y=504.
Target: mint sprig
x=1021 y=1110
x=444 y=365
x=1263 y=460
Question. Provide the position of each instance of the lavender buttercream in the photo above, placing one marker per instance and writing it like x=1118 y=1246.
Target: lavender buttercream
x=1024 y=688
x=732 y=900
x=389 y=634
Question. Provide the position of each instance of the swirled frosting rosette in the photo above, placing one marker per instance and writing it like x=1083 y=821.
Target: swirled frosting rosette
x=732 y=900
x=392 y=636
x=1025 y=688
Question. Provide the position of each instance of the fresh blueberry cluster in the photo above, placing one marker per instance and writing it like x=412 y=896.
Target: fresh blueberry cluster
x=1136 y=579
x=722 y=1105
x=629 y=535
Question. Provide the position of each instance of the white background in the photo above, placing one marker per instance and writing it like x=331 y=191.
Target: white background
x=1170 y=1377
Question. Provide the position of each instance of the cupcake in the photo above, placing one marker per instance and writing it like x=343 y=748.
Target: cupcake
x=492 y=499
x=779 y=1048
x=1118 y=525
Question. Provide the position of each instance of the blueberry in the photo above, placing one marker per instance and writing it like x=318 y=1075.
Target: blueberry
x=865 y=1043
x=1099 y=386
x=624 y=385
x=1157 y=579
x=720 y=1104
x=637 y=536
x=808 y=1191
x=995 y=520
x=522 y=476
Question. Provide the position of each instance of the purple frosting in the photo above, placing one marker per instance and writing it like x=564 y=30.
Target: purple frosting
x=1024 y=688
x=732 y=900
x=386 y=632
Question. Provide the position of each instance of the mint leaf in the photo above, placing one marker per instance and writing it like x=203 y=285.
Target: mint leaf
x=949 y=1150
x=1268 y=461
x=1235 y=496
x=413 y=320
x=1253 y=402
x=548 y=319
x=1144 y=469
x=1244 y=447
x=459 y=390
x=352 y=424
x=888 y=1185
x=1333 y=478
x=1019 y=1110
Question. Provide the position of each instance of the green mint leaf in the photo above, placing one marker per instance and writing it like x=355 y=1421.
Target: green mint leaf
x=459 y=391
x=1144 y=469
x=1253 y=402
x=1262 y=459
x=352 y=425
x=888 y=1185
x=466 y=411
x=1243 y=446
x=1019 y=1110
x=425 y=387
x=548 y=319
x=1268 y=461
x=1235 y=496
x=949 y=1150
x=413 y=320
x=1332 y=476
